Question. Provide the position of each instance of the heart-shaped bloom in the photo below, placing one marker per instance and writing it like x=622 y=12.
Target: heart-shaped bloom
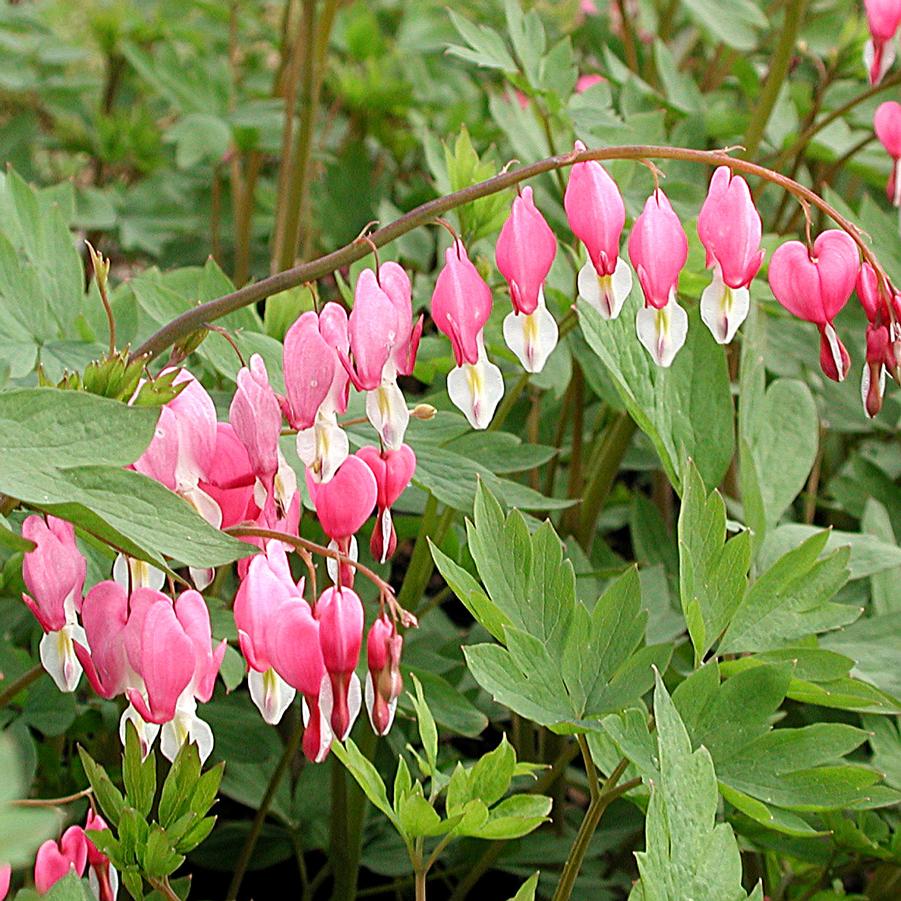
x=815 y=286
x=231 y=478
x=383 y=681
x=658 y=249
x=461 y=305
x=730 y=229
x=170 y=647
x=55 y=860
x=393 y=471
x=339 y=612
x=883 y=18
x=524 y=254
x=103 y=878
x=266 y=586
x=297 y=657
x=6 y=872
x=54 y=574
x=317 y=387
x=887 y=124
x=596 y=215
x=104 y=615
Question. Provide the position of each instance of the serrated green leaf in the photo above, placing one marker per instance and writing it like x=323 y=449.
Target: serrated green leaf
x=108 y=796
x=138 y=774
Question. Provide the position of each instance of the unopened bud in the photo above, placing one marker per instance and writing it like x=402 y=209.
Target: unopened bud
x=101 y=267
x=424 y=412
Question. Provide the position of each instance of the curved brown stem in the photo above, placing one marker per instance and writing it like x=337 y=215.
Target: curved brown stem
x=196 y=317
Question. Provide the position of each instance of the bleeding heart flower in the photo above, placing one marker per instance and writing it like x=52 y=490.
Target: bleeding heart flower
x=339 y=612
x=54 y=574
x=461 y=305
x=383 y=681
x=658 y=249
x=105 y=616
x=266 y=586
x=103 y=878
x=343 y=505
x=887 y=125
x=730 y=229
x=317 y=387
x=297 y=657
x=815 y=285
x=524 y=254
x=55 y=860
x=883 y=17
x=393 y=471
x=596 y=215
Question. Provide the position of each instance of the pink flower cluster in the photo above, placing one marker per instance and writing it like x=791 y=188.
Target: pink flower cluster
x=131 y=639
x=73 y=853
x=883 y=19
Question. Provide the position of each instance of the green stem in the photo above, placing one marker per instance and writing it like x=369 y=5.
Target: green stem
x=421 y=565
x=20 y=684
x=508 y=403
x=256 y=827
x=614 y=444
x=779 y=66
x=195 y=318
x=599 y=803
x=349 y=807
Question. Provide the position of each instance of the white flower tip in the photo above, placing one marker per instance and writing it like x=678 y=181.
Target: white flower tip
x=663 y=331
x=531 y=337
x=724 y=309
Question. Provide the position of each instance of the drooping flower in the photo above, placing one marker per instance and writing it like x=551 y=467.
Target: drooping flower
x=55 y=860
x=730 y=229
x=383 y=680
x=317 y=387
x=170 y=647
x=297 y=657
x=54 y=574
x=461 y=305
x=887 y=125
x=658 y=249
x=383 y=341
x=883 y=346
x=256 y=418
x=103 y=877
x=343 y=505
x=6 y=872
x=183 y=446
x=105 y=617
x=883 y=18
x=266 y=586
x=596 y=215
x=393 y=471
x=815 y=286
x=524 y=254
x=339 y=612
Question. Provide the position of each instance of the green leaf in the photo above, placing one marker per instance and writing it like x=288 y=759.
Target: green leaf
x=784 y=444
x=868 y=555
x=712 y=571
x=876 y=522
x=514 y=817
x=428 y=732
x=70 y=888
x=527 y=889
x=492 y=774
x=470 y=593
x=486 y=46
x=21 y=829
x=450 y=708
x=791 y=600
x=416 y=817
x=684 y=410
x=159 y=858
x=108 y=796
x=874 y=646
x=178 y=788
x=367 y=777
x=688 y=856
x=138 y=774
x=62 y=452
x=734 y=22
x=199 y=137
